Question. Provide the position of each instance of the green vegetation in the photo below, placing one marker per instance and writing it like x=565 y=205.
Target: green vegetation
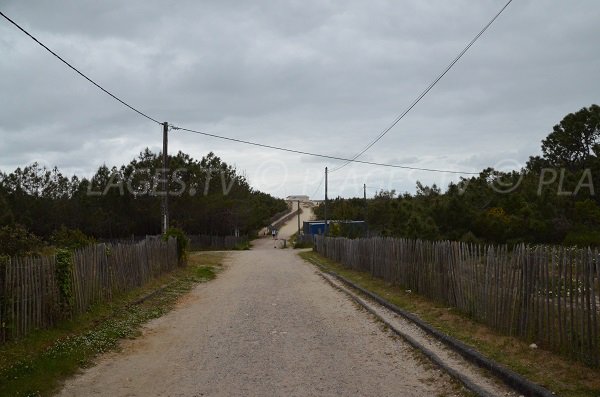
x=302 y=244
x=560 y=375
x=70 y=238
x=243 y=246
x=182 y=242
x=205 y=273
x=64 y=276
x=36 y=364
x=293 y=240
x=39 y=206
x=552 y=200
x=17 y=240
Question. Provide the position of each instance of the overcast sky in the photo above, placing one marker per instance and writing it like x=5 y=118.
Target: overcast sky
x=317 y=76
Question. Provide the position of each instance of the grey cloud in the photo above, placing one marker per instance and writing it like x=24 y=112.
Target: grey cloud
x=316 y=76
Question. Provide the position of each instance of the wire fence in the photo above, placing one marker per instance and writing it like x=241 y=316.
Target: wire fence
x=35 y=292
x=542 y=294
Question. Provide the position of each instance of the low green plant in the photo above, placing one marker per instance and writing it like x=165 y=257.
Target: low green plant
x=243 y=246
x=182 y=243
x=205 y=273
x=302 y=244
x=297 y=244
x=64 y=279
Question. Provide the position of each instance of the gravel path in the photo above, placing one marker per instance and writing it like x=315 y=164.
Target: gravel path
x=268 y=325
x=484 y=382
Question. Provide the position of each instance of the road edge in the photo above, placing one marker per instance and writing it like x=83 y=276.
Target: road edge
x=509 y=377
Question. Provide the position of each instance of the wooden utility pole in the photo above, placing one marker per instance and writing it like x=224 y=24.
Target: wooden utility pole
x=366 y=206
x=298 y=220
x=165 y=184
x=325 y=228
x=365 y=198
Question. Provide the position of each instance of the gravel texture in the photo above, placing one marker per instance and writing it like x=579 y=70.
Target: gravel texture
x=484 y=382
x=267 y=326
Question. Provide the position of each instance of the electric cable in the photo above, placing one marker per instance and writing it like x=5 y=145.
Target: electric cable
x=321 y=155
x=424 y=92
x=78 y=71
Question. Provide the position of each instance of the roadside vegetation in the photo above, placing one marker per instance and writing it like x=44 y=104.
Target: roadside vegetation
x=560 y=375
x=243 y=246
x=39 y=206
x=37 y=364
x=552 y=200
x=298 y=244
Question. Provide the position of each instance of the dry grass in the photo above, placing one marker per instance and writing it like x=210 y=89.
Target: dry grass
x=560 y=375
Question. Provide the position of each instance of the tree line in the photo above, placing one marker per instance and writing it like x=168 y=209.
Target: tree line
x=551 y=200
x=207 y=196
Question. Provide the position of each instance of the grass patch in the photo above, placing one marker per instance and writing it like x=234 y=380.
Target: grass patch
x=243 y=246
x=205 y=273
x=302 y=244
x=37 y=364
x=558 y=374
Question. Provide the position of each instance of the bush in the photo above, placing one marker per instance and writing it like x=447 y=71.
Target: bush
x=582 y=237
x=243 y=246
x=469 y=237
x=182 y=243
x=16 y=240
x=302 y=244
x=64 y=277
x=70 y=239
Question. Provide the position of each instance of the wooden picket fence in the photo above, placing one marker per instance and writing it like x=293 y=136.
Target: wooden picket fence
x=29 y=292
x=543 y=294
x=208 y=242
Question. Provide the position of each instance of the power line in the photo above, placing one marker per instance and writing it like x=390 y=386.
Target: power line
x=414 y=103
x=318 y=187
x=78 y=72
x=223 y=137
x=321 y=155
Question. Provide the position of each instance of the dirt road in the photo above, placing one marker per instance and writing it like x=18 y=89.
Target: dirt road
x=267 y=326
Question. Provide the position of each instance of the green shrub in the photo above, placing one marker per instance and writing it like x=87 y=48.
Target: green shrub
x=64 y=279
x=302 y=244
x=469 y=237
x=242 y=246
x=582 y=237
x=70 y=238
x=182 y=243
x=16 y=240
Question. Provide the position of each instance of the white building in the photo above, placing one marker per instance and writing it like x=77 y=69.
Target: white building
x=298 y=197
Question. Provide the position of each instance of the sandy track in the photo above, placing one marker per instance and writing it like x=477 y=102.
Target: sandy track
x=268 y=325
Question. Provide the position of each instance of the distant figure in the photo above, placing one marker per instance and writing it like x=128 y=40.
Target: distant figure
x=274 y=233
